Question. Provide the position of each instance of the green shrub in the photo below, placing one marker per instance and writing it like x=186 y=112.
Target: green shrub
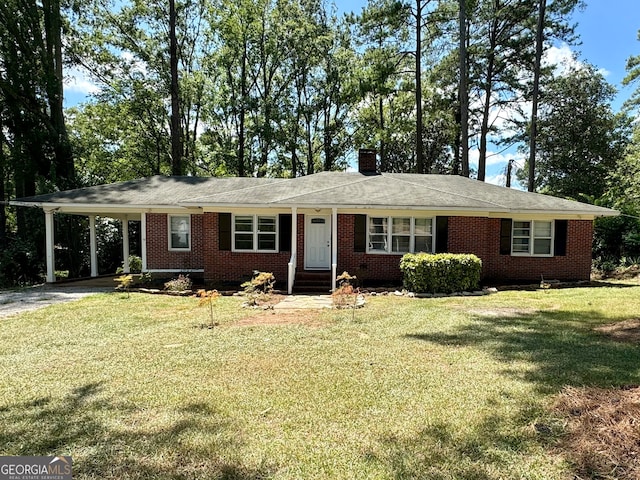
x=440 y=273
x=135 y=265
x=19 y=263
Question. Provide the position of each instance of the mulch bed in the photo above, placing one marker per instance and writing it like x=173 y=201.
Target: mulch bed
x=602 y=432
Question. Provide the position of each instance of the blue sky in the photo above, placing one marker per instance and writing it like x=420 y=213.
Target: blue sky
x=609 y=34
x=608 y=31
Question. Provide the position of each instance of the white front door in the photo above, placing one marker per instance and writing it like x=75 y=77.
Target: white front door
x=317 y=242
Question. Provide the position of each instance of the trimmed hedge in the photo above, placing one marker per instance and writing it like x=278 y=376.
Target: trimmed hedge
x=440 y=273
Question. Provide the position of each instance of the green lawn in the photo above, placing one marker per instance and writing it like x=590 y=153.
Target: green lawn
x=453 y=388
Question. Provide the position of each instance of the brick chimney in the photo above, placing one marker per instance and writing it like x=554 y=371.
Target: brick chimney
x=367 y=161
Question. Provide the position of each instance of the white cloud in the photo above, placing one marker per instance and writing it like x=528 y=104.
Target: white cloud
x=499 y=179
x=77 y=81
x=495 y=158
x=565 y=59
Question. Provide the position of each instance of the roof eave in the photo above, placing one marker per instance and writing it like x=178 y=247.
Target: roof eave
x=100 y=207
x=490 y=212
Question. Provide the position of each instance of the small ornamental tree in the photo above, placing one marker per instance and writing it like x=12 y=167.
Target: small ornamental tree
x=343 y=293
x=259 y=287
x=124 y=283
x=208 y=297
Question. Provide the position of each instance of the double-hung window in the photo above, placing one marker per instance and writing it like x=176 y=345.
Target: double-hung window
x=255 y=233
x=179 y=232
x=400 y=234
x=533 y=237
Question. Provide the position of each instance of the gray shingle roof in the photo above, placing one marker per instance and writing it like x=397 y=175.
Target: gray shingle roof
x=326 y=189
x=156 y=190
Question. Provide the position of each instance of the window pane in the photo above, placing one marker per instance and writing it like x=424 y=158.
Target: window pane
x=378 y=225
x=244 y=241
x=266 y=241
x=400 y=243
x=542 y=246
x=424 y=244
x=521 y=245
x=179 y=240
x=542 y=229
x=422 y=226
x=244 y=224
x=179 y=224
x=521 y=229
x=378 y=242
x=266 y=224
x=401 y=225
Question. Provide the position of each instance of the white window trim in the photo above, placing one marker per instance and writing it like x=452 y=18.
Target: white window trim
x=255 y=234
x=178 y=249
x=532 y=238
x=390 y=235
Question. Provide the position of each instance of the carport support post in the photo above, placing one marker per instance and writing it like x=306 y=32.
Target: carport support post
x=143 y=240
x=125 y=244
x=93 y=246
x=334 y=248
x=48 y=226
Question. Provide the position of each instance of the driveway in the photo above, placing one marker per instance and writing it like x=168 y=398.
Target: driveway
x=13 y=302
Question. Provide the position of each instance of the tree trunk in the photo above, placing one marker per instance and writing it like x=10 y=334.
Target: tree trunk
x=484 y=128
x=536 y=92
x=309 y=140
x=243 y=97
x=382 y=146
x=177 y=167
x=420 y=168
x=63 y=166
x=327 y=135
x=463 y=93
x=3 y=194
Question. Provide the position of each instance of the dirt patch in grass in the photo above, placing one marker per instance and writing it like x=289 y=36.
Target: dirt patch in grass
x=626 y=331
x=309 y=318
x=502 y=312
x=603 y=431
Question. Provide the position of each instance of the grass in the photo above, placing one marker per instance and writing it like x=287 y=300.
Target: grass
x=453 y=388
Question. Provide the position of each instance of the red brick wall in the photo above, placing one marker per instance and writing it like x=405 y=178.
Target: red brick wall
x=227 y=266
x=158 y=254
x=365 y=266
x=480 y=236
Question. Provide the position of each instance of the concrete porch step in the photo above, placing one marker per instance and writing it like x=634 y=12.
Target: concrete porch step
x=312 y=282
